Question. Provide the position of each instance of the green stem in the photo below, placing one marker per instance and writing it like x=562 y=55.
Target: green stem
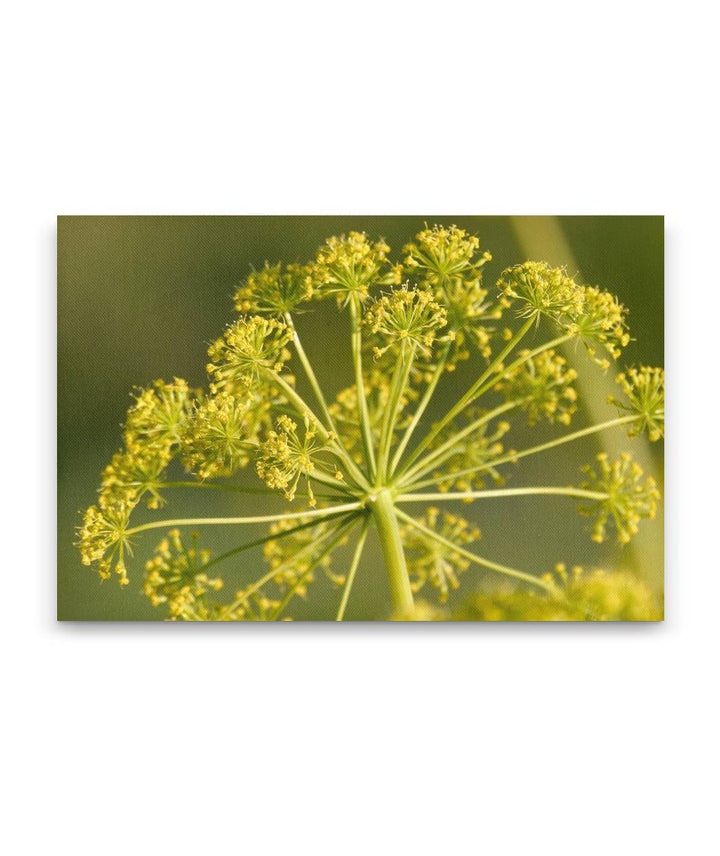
x=347 y=460
x=504 y=492
x=468 y=396
x=310 y=373
x=554 y=343
x=514 y=456
x=397 y=388
x=363 y=413
x=385 y=516
x=304 y=409
x=478 y=560
x=351 y=573
x=409 y=431
x=258 y=542
x=430 y=461
x=258 y=584
x=340 y=534
x=259 y=491
x=232 y=521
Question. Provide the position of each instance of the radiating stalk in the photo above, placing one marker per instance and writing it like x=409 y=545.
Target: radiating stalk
x=233 y=521
x=351 y=573
x=478 y=560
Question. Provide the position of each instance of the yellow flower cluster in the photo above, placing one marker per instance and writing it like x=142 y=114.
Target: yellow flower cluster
x=153 y=434
x=447 y=260
x=223 y=434
x=577 y=596
x=102 y=540
x=347 y=266
x=285 y=456
x=275 y=289
x=593 y=315
x=645 y=390
x=444 y=253
x=406 y=316
x=250 y=349
x=543 y=386
x=629 y=498
x=176 y=576
x=430 y=561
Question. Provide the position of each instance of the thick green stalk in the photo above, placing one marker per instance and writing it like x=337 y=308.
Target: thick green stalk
x=385 y=516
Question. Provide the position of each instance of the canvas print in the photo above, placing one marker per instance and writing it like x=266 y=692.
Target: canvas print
x=414 y=418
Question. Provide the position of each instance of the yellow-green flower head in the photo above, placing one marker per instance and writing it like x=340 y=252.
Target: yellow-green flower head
x=102 y=540
x=223 y=434
x=542 y=290
x=346 y=267
x=645 y=391
x=476 y=452
x=443 y=254
x=175 y=566
x=158 y=416
x=629 y=497
x=471 y=318
x=600 y=321
x=447 y=260
x=275 y=290
x=577 y=596
x=286 y=456
x=406 y=316
x=430 y=561
x=176 y=575
x=250 y=349
x=543 y=386
x=132 y=476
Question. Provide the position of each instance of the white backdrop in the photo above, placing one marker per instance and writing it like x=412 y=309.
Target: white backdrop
x=358 y=739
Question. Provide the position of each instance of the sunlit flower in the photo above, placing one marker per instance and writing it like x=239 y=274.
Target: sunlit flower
x=275 y=289
x=347 y=266
x=249 y=349
x=224 y=433
x=645 y=390
x=103 y=540
x=406 y=316
x=629 y=497
x=286 y=456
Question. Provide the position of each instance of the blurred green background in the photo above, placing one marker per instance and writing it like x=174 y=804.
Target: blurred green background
x=140 y=298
